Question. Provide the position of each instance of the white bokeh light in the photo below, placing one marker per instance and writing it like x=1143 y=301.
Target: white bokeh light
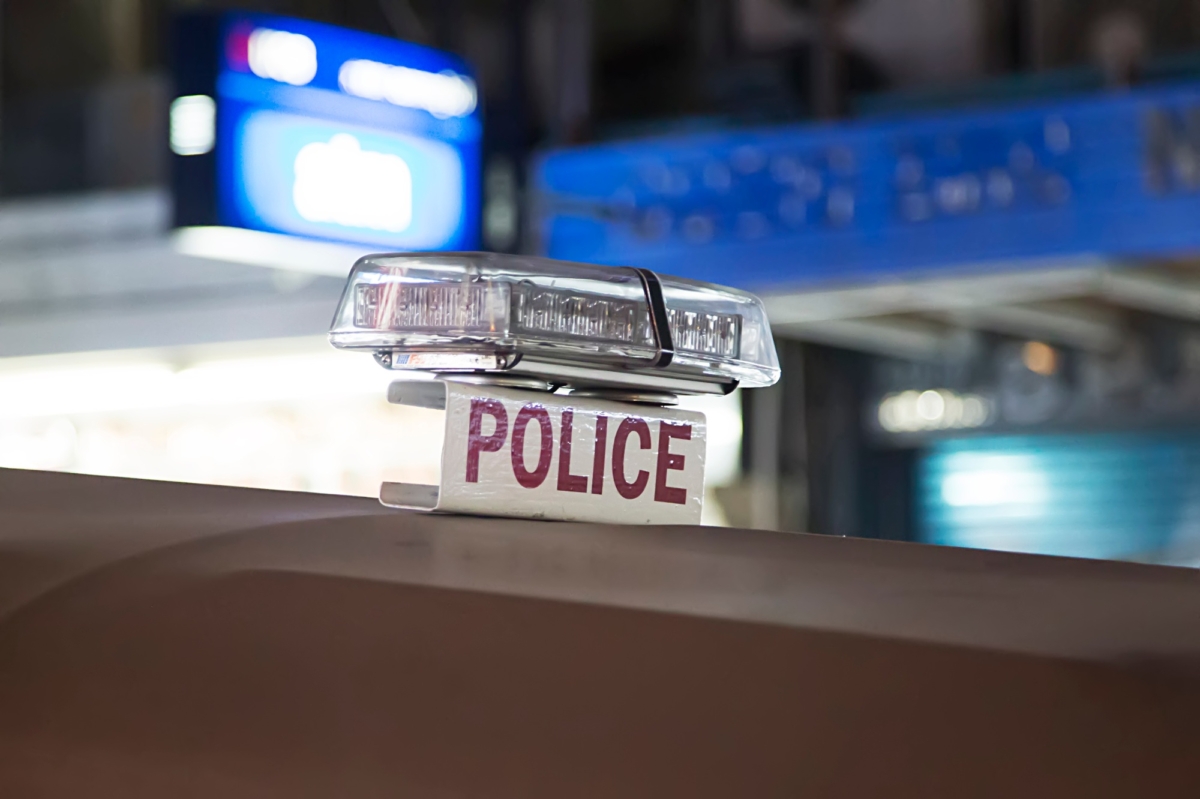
x=193 y=124
x=443 y=94
x=995 y=480
x=339 y=182
x=282 y=56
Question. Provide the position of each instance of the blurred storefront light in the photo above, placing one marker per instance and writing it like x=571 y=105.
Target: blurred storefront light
x=443 y=94
x=1039 y=358
x=309 y=177
x=287 y=414
x=282 y=56
x=340 y=182
x=193 y=124
x=932 y=409
x=1002 y=482
x=1096 y=495
x=155 y=383
x=323 y=133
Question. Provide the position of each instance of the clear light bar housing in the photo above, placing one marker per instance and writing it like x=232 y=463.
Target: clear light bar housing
x=553 y=312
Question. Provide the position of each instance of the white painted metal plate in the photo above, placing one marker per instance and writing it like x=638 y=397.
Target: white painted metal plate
x=529 y=454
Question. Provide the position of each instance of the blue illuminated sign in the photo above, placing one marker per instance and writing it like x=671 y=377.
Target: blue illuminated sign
x=1113 y=175
x=1111 y=495
x=300 y=128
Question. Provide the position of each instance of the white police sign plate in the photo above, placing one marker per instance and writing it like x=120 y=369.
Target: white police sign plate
x=510 y=452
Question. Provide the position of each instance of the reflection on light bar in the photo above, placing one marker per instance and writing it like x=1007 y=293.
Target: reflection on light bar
x=443 y=94
x=274 y=250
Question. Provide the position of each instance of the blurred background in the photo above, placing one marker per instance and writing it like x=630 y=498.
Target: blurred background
x=975 y=223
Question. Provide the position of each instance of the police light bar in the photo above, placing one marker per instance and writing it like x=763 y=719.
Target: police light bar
x=570 y=325
x=503 y=333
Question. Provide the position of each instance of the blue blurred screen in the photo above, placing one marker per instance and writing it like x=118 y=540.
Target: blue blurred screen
x=335 y=134
x=1113 y=495
x=772 y=208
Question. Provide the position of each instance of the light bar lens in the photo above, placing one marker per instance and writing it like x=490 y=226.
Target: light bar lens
x=579 y=315
x=550 y=310
x=431 y=307
x=705 y=333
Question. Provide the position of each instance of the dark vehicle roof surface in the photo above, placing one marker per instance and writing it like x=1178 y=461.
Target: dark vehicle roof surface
x=162 y=639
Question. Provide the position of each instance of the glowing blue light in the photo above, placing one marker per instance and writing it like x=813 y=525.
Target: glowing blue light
x=326 y=180
x=295 y=127
x=1112 y=495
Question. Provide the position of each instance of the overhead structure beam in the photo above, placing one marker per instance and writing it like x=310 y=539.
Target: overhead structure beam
x=898 y=337
x=1066 y=303
x=1073 y=323
x=1021 y=283
x=1154 y=292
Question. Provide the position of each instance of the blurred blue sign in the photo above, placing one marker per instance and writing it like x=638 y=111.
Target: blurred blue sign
x=768 y=209
x=295 y=127
x=1113 y=495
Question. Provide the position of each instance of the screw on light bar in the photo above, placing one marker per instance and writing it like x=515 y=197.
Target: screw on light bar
x=546 y=316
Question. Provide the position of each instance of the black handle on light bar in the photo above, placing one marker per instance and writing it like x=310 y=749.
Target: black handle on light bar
x=660 y=324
